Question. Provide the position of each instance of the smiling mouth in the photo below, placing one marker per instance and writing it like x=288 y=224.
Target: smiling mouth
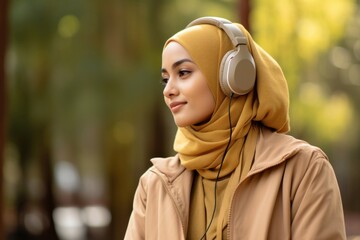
x=175 y=106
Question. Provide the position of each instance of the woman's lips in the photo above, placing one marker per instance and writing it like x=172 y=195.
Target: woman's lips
x=175 y=106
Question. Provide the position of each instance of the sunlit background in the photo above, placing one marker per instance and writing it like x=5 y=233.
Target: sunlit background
x=85 y=111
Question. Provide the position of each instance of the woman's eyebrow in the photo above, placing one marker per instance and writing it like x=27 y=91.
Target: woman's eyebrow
x=177 y=63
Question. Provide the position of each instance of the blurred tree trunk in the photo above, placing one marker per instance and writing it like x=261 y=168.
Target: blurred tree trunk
x=244 y=9
x=42 y=140
x=3 y=41
x=48 y=201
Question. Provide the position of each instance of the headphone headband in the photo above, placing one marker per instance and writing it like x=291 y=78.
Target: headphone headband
x=235 y=34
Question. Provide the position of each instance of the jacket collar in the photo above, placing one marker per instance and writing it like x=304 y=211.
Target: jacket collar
x=170 y=167
x=274 y=148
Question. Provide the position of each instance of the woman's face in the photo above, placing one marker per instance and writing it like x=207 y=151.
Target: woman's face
x=186 y=92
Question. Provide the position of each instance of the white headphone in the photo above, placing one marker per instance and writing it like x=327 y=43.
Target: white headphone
x=237 y=70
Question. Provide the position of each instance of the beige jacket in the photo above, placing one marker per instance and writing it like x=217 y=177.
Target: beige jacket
x=291 y=192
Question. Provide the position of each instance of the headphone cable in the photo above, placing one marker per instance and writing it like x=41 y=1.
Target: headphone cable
x=221 y=164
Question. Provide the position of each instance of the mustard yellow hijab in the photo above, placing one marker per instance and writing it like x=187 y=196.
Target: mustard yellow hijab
x=201 y=147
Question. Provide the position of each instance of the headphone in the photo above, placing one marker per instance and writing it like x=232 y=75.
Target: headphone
x=237 y=69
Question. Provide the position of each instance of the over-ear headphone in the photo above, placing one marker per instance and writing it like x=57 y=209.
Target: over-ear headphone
x=237 y=69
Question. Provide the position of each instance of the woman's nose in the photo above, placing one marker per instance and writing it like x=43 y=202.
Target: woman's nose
x=170 y=89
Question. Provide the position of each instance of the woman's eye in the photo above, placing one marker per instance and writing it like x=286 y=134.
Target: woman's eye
x=183 y=73
x=164 y=81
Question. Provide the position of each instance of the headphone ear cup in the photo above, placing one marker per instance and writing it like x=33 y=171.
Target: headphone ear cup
x=223 y=73
x=237 y=72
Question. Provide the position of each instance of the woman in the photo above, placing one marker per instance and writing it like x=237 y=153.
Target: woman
x=236 y=174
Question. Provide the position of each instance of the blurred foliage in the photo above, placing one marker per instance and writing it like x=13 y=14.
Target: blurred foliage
x=302 y=31
x=317 y=45
x=83 y=85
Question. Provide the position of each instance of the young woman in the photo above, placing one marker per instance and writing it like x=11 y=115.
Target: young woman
x=236 y=174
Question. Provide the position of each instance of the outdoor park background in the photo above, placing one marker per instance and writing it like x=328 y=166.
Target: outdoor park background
x=82 y=110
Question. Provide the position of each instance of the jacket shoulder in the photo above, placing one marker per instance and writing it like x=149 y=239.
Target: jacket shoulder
x=274 y=148
x=169 y=168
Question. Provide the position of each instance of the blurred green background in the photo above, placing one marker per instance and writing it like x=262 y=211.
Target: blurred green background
x=83 y=110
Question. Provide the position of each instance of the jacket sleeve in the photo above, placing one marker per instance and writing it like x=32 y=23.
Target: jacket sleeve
x=317 y=211
x=136 y=226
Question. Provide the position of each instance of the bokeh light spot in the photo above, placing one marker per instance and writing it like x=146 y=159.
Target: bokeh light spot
x=68 y=26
